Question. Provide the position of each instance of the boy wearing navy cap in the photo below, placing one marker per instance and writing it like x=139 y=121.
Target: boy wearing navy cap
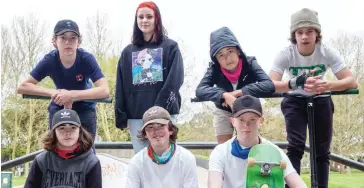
x=71 y=69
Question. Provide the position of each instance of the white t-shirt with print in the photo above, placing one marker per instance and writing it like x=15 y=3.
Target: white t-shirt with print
x=234 y=168
x=323 y=58
x=179 y=172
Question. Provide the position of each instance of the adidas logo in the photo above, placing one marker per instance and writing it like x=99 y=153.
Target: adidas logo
x=152 y=113
x=65 y=115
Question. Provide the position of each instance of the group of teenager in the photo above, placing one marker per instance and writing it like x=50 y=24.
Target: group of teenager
x=149 y=75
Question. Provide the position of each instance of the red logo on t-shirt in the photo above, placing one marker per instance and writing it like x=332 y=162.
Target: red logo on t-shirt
x=79 y=77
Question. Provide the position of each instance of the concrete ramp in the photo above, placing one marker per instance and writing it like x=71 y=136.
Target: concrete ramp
x=115 y=170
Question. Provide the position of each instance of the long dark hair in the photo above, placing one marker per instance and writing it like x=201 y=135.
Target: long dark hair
x=159 y=31
x=85 y=140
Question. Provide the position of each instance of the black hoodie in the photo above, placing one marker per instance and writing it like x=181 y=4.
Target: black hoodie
x=148 y=75
x=252 y=81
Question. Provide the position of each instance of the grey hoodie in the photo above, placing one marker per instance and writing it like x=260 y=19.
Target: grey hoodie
x=51 y=171
x=221 y=38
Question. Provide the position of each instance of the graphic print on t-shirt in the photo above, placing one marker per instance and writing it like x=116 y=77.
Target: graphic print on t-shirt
x=147 y=66
x=295 y=71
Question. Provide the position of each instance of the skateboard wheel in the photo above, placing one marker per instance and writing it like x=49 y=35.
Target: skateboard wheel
x=251 y=162
x=283 y=164
x=264 y=186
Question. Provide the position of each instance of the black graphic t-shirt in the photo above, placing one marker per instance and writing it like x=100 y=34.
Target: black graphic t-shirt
x=148 y=75
x=49 y=170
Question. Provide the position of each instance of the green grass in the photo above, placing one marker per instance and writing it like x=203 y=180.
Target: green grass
x=202 y=156
x=19 y=180
x=337 y=180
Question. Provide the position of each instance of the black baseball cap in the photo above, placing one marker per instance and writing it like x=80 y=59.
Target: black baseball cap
x=247 y=103
x=65 y=116
x=63 y=26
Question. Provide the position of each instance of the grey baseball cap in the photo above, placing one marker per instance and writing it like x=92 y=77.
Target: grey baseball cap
x=65 y=116
x=156 y=114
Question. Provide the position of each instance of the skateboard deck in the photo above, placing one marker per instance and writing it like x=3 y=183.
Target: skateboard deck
x=265 y=167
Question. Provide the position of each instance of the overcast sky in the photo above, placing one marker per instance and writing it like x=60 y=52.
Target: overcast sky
x=262 y=26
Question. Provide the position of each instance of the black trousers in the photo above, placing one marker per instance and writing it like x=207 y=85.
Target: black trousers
x=295 y=113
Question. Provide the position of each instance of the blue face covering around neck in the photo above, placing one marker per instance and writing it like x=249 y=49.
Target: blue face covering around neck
x=239 y=152
x=166 y=155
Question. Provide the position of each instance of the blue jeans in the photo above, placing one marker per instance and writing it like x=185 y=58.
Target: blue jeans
x=134 y=126
x=88 y=120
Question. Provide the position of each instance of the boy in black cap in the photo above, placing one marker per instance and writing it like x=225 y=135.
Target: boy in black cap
x=71 y=69
x=228 y=161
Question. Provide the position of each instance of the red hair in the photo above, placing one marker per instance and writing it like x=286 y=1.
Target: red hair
x=157 y=17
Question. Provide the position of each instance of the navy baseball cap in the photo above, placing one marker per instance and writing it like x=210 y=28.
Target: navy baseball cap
x=63 y=26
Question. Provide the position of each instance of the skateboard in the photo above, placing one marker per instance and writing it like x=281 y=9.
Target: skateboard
x=265 y=167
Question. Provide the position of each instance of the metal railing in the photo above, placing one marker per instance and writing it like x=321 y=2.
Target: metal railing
x=210 y=145
x=188 y=145
x=103 y=100
x=280 y=95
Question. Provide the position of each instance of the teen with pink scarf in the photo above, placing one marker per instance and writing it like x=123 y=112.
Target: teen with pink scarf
x=231 y=74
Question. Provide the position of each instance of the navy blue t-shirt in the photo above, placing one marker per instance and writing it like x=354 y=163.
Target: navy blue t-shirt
x=77 y=77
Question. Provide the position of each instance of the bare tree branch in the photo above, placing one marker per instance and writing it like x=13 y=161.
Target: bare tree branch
x=97 y=34
x=351 y=48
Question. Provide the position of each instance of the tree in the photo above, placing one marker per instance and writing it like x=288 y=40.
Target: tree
x=21 y=50
x=348 y=131
x=97 y=36
x=351 y=49
x=99 y=44
x=5 y=62
x=273 y=127
x=189 y=86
